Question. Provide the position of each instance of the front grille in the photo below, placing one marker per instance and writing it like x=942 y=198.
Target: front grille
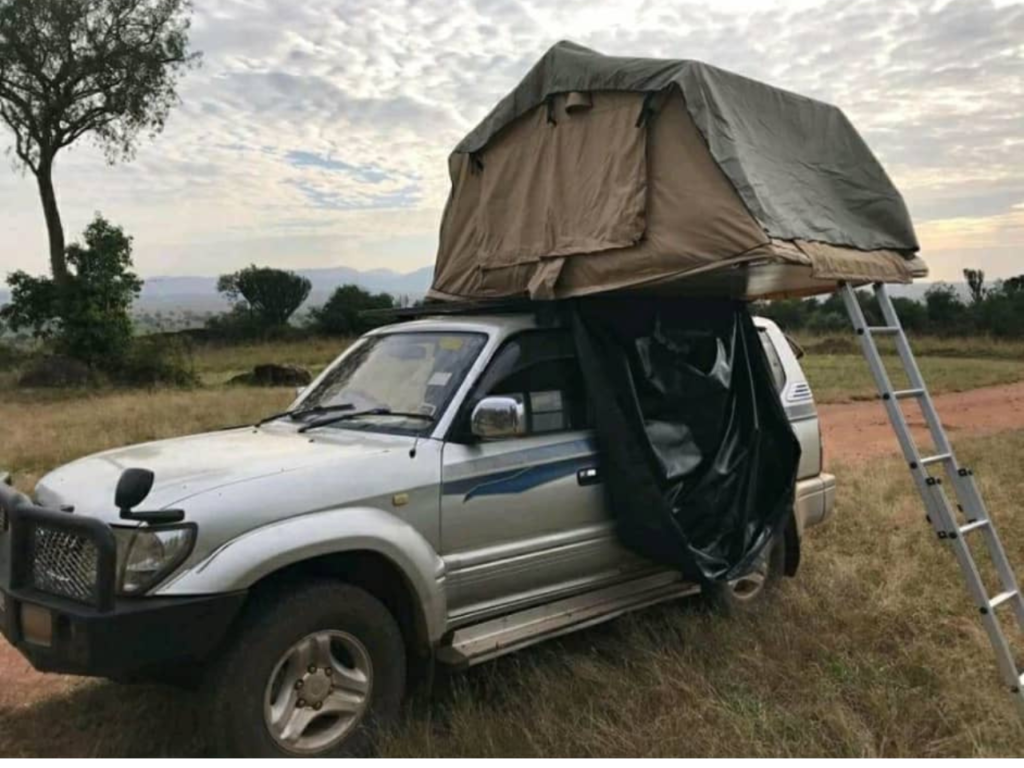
x=63 y=563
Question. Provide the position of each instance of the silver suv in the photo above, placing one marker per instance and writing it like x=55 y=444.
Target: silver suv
x=305 y=568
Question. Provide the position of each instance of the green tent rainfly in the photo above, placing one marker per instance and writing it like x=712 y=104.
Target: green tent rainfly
x=601 y=173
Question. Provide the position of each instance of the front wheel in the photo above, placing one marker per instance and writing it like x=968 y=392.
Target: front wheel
x=743 y=593
x=310 y=674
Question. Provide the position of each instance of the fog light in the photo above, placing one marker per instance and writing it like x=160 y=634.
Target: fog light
x=37 y=625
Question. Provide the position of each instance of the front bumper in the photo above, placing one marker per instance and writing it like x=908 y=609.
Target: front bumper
x=94 y=633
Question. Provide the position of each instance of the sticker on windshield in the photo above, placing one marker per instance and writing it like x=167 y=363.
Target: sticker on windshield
x=439 y=379
x=450 y=343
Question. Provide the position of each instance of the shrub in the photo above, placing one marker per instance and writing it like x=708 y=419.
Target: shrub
x=88 y=317
x=156 y=360
x=342 y=315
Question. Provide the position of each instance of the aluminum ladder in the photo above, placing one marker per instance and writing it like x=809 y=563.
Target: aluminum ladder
x=940 y=513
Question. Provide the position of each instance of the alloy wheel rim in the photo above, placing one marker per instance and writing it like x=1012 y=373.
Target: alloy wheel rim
x=318 y=692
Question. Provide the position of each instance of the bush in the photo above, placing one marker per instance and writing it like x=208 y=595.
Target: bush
x=156 y=360
x=342 y=314
x=88 y=317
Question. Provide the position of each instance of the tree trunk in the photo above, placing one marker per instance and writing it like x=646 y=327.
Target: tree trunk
x=54 y=228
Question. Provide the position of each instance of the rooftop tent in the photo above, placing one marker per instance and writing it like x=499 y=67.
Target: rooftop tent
x=623 y=184
x=602 y=173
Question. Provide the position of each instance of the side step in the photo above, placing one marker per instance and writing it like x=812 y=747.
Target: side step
x=490 y=639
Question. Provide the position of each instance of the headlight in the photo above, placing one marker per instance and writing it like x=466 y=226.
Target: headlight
x=146 y=556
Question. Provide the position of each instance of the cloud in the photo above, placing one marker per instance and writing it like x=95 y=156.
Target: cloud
x=317 y=133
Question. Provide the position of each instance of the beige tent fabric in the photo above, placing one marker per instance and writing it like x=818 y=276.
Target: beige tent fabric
x=595 y=202
x=691 y=215
x=830 y=262
x=545 y=190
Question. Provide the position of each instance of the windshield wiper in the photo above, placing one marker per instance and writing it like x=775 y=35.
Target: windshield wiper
x=328 y=420
x=298 y=413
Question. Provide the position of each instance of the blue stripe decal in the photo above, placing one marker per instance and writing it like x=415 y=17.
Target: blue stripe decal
x=517 y=480
x=532 y=456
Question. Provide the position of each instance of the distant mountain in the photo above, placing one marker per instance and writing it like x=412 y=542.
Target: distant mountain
x=199 y=294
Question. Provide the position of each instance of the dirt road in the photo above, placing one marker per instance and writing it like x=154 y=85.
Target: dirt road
x=853 y=432
x=859 y=431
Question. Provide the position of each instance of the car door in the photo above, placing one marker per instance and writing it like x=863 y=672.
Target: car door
x=523 y=518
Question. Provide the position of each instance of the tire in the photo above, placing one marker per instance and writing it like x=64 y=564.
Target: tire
x=747 y=592
x=260 y=679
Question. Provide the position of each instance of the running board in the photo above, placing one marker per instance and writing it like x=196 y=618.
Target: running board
x=490 y=639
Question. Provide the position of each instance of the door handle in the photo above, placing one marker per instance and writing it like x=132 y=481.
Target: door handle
x=588 y=476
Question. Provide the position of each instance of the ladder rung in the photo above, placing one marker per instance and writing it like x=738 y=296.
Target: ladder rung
x=902 y=394
x=936 y=459
x=973 y=526
x=884 y=329
x=1001 y=598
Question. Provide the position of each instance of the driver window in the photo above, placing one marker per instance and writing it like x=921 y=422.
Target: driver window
x=539 y=370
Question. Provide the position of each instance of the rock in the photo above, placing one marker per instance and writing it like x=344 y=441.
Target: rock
x=57 y=371
x=271 y=375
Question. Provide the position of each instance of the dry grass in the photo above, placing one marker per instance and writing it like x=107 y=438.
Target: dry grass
x=216 y=363
x=926 y=346
x=44 y=430
x=837 y=373
x=873 y=650
x=842 y=378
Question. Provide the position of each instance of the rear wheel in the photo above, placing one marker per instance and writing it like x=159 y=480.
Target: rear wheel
x=743 y=593
x=312 y=672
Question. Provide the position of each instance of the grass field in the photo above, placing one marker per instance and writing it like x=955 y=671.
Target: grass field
x=873 y=650
x=837 y=372
x=46 y=429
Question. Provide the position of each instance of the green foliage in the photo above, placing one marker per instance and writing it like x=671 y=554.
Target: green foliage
x=946 y=312
x=103 y=67
x=88 y=318
x=976 y=284
x=264 y=298
x=342 y=314
x=997 y=311
x=158 y=359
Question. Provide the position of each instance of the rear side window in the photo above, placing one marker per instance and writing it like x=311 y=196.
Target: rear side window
x=774 y=361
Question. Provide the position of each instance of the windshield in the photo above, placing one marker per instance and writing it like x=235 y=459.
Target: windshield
x=393 y=381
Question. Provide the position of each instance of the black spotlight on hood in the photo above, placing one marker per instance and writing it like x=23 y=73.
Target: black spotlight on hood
x=132 y=489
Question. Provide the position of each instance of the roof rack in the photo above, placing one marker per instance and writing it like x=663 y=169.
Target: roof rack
x=486 y=306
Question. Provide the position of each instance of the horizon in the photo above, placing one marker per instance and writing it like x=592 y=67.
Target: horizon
x=317 y=136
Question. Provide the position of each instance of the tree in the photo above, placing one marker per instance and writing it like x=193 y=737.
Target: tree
x=91 y=321
x=976 y=284
x=270 y=295
x=71 y=68
x=1014 y=285
x=946 y=312
x=342 y=314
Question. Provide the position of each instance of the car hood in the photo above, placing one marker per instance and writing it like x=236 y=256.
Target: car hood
x=188 y=466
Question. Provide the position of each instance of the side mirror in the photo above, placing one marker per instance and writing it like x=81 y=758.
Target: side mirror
x=497 y=417
x=132 y=489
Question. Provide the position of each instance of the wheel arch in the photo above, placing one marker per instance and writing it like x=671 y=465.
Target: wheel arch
x=364 y=546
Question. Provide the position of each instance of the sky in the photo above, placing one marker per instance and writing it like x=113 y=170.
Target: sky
x=316 y=133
